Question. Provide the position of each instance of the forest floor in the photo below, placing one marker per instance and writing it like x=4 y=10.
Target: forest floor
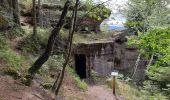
x=94 y=92
x=11 y=89
x=100 y=92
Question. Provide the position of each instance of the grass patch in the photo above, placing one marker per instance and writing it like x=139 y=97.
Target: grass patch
x=81 y=84
x=13 y=33
x=10 y=62
x=130 y=92
x=55 y=61
x=11 y=59
x=7 y=56
x=79 y=37
x=35 y=44
x=3 y=42
x=91 y=37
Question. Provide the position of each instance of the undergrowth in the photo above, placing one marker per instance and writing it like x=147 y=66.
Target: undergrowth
x=130 y=92
x=35 y=44
x=7 y=55
x=13 y=33
x=11 y=59
x=11 y=62
x=81 y=84
x=85 y=38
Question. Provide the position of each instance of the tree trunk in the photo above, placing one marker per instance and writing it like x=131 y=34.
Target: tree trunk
x=150 y=61
x=39 y=18
x=71 y=33
x=34 y=18
x=136 y=65
x=44 y=57
x=16 y=12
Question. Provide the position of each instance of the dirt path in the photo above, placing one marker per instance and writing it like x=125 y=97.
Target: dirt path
x=100 y=92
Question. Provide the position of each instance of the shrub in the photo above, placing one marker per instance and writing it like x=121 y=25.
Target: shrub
x=12 y=72
x=55 y=61
x=15 y=32
x=35 y=44
x=81 y=84
x=156 y=42
x=3 y=42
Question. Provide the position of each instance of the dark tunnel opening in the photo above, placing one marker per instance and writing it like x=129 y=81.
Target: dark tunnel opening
x=80 y=65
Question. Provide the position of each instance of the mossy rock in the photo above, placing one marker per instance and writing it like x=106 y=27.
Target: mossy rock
x=47 y=85
x=12 y=72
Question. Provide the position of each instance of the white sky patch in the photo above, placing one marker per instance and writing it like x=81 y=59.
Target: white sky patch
x=168 y=6
x=114 y=5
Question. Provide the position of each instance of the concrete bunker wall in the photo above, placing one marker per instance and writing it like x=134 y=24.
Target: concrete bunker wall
x=104 y=57
x=99 y=57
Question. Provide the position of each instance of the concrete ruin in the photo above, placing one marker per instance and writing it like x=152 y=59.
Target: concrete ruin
x=104 y=56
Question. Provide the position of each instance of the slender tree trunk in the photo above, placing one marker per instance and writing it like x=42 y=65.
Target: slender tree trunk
x=44 y=57
x=39 y=12
x=34 y=18
x=16 y=12
x=150 y=61
x=136 y=65
x=71 y=33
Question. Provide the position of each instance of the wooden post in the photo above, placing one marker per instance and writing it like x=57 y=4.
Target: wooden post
x=114 y=74
x=114 y=79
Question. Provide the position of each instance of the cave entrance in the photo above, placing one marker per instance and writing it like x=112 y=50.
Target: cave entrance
x=80 y=65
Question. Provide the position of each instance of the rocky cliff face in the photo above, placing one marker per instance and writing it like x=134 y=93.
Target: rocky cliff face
x=51 y=11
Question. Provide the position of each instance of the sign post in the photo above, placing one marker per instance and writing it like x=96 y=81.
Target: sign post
x=114 y=74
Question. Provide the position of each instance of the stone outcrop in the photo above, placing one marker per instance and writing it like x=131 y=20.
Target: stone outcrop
x=50 y=13
x=105 y=56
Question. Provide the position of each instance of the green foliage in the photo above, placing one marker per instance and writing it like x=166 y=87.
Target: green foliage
x=55 y=62
x=12 y=72
x=47 y=85
x=15 y=32
x=11 y=59
x=81 y=84
x=131 y=92
x=126 y=90
x=3 y=42
x=64 y=34
x=98 y=13
x=85 y=38
x=11 y=62
x=143 y=15
x=37 y=43
x=4 y=22
x=156 y=42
